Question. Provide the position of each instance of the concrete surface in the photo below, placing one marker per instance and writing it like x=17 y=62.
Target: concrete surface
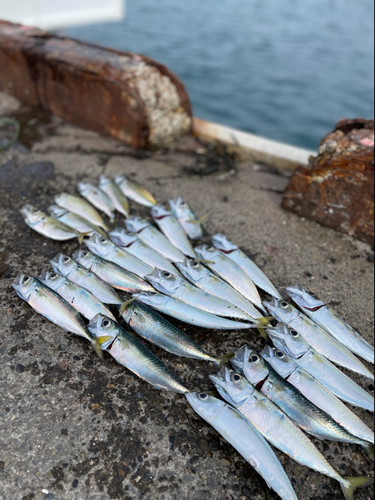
x=74 y=427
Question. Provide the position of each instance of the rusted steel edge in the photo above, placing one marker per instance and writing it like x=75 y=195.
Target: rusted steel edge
x=248 y=146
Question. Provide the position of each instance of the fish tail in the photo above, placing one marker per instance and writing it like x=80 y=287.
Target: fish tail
x=204 y=261
x=124 y=305
x=223 y=360
x=350 y=484
x=199 y=221
x=263 y=333
x=97 y=348
x=80 y=236
x=369 y=448
x=263 y=322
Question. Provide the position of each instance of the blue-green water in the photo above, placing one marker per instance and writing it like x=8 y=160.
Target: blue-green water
x=284 y=69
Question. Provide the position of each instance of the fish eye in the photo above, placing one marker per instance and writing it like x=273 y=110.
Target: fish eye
x=211 y=249
x=26 y=280
x=54 y=276
x=280 y=354
x=85 y=254
x=66 y=259
x=195 y=264
x=284 y=305
x=236 y=377
x=254 y=358
x=106 y=323
x=103 y=241
x=166 y=274
x=183 y=204
x=203 y=396
x=294 y=333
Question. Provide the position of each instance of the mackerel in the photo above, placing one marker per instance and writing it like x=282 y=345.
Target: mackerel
x=97 y=198
x=135 y=191
x=115 y=194
x=75 y=221
x=187 y=219
x=81 y=207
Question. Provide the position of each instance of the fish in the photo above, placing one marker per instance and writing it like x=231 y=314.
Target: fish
x=330 y=321
x=173 y=286
x=245 y=439
x=230 y=272
x=97 y=198
x=187 y=219
x=69 y=268
x=131 y=353
x=318 y=338
x=277 y=428
x=114 y=193
x=294 y=345
x=135 y=191
x=50 y=305
x=75 y=221
x=317 y=393
x=154 y=238
x=132 y=244
x=201 y=277
x=48 y=226
x=299 y=409
x=81 y=207
x=111 y=273
x=170 y=226
x=222 y=243
x=104 y=248
x=79 y=298
x=189 y=314
x=153 y=327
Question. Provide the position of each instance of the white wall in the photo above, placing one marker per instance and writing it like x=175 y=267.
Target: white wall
x=53 y=14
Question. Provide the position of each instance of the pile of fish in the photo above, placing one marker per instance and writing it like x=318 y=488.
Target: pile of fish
x=278 y=397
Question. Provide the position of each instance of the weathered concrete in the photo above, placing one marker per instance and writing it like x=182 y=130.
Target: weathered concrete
x=73 y=427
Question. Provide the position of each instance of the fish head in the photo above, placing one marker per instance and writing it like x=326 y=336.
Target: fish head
x=151 y=299
x=104 y=180
x=288 y=340
x=232 y=386
x=192 y=269
x=24 y=285
x=57 y=211
x=52 y=279
x=253 y=365
x=98 y=244
x=104 y=329
x=84 y=258
x=136 y=224
x=164 y=281
x=179 y=207
x=60 y=199
x=222 y=243
x=84 y=187
x=280 y=362
x=122 y=238
x=307 y=301
x=208 y=407
x=158 y=212
x=206 y=252
x=282 y=310
x=63 y=264
x=32 y=215
x=121 y=179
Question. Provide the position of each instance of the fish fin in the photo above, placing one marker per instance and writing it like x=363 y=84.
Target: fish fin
x=102 y=339
x=97 y=348
x=223 y=360
x=203 y=261
x=263 y=333
x=352 y=483
x=263 y=322
x=124 y=305
x=369 y=447
x=199 y=221
x=80 y=236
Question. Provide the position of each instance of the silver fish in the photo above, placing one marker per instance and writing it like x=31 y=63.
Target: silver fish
x=154 y=238
x=277 y=428
x=50 y=305
x=79 y=298
x=248 y=442
x=153 y=327
x=48 y=226
x=131 y=353
x=69 y=268
x=293 y=344
x=187 y=219
x=97 y=198
x=81 y=207
x=317 y=393
x=115 y=194
x=230 y=272
x=170 y=226
x=204 y=279
x=104 y=248
x=299 y=409
x=135 y=191
x=75 y=221
x=222 y=243
x=173 y=286
x=132 y=244
x=189 y=314
x=112 y=274
x=318 y=338
x=328 y=319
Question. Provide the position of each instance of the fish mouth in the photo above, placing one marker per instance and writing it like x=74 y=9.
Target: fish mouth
x=17 y=281
x=272 y=308
x=291 y=290
x=275 y=333
x=267 y=352
x=218 y=381
x=191 y=397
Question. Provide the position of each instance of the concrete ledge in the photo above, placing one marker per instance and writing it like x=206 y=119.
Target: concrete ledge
x=281 y=156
